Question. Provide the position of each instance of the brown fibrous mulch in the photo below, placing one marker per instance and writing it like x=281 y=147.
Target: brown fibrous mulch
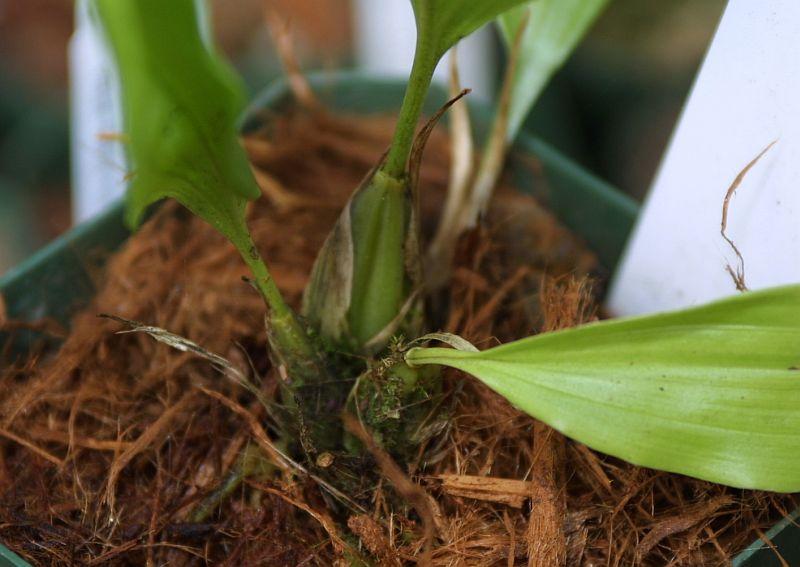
x=107 y=446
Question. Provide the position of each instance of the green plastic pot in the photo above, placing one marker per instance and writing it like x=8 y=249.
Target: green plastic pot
x=10 y=559
x=56 y=281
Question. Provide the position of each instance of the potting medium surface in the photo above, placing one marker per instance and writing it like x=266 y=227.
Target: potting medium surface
x=60 y=279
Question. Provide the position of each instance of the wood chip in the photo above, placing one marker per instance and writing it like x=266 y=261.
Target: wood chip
x=506 y=491
x=547 y=542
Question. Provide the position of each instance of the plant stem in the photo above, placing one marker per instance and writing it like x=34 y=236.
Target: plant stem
x=264 y=282
x=418 y=83
x=287 y=334
x=310 y=391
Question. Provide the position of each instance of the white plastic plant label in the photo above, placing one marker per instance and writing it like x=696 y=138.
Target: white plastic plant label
x=98 y=159
x=746 y=96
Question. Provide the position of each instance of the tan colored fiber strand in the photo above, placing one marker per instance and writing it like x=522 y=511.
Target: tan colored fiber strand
x=324 y=519
x=738 y=274
x=152 y=435
x=31 y=446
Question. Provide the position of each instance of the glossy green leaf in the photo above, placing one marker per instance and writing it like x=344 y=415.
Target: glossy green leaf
x=442 y=23
x=552 y=31
x=181 y=103
x=711 y=392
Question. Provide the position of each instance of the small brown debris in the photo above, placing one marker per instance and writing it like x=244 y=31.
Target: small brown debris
x=284 y=43
x=113 y=137
x=374 y=539
x=681 y=521
x=324 y=460
x=506 y=491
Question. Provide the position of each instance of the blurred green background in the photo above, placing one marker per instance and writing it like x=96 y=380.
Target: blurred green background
x=612 y=107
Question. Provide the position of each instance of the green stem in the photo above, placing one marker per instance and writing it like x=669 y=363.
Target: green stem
x=418 y=84
x=310 y=390
x=289 y=336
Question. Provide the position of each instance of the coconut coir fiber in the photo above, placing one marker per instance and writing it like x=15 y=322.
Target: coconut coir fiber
x=107 y=446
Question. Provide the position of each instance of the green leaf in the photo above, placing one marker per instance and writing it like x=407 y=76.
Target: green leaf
x=711 y=392
x=442 y=23
x=181 y=104
x=553 y=30
x=361 y=278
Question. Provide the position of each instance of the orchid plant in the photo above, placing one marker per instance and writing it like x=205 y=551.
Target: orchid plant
x=711 y=392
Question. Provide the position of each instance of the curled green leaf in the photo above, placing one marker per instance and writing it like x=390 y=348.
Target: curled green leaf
x=552 y=31
x=442 y=23
x=711 y=392
x=361 y=279
x=181 y=104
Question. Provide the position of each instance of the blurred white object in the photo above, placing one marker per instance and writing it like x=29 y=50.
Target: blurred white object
x=99 y=167
x=386 y=36
x=747 y=95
